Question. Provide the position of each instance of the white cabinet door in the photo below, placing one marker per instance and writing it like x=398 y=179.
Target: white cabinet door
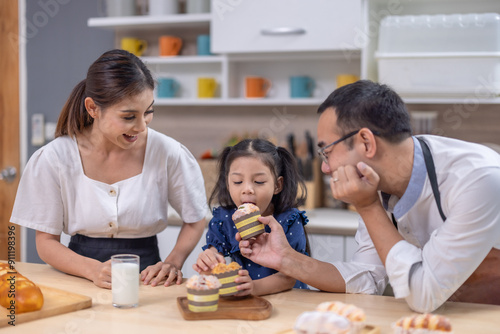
x=166 y=242
x=284 y=25
x=327 y=248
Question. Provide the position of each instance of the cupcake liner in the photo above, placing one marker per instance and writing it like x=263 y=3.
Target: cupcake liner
x=228 y=287
x=249 y=226
x=203 y=300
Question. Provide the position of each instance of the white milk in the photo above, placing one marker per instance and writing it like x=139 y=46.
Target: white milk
x=125 y=284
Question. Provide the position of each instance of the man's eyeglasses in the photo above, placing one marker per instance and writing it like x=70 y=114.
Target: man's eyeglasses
x=321 y=150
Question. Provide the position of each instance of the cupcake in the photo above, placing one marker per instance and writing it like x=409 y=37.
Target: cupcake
x=226 y=275
x=317 y=322
x=353 y=313
x=203 y=293
x=246 y=221
x=422 y=324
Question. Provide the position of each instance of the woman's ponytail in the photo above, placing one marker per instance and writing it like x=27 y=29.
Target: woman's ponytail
x=74 y=117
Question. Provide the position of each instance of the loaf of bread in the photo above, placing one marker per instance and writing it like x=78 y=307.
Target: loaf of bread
x=353 y=313
x=423 y=324
x=17 y=292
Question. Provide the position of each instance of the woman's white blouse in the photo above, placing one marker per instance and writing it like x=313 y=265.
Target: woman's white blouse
x=55 y=196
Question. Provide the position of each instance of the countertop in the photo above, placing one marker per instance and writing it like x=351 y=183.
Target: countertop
x=321 y=221
x=158 y=312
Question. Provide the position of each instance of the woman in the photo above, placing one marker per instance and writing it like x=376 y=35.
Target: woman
x=107 y=180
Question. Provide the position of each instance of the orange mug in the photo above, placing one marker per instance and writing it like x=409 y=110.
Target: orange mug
x=169 y=45
x=256 y=87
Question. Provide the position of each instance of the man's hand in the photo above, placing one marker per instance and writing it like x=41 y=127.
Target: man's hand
x=356 y=185
x=267 y=249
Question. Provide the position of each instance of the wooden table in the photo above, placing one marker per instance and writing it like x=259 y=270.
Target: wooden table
x=158 y=311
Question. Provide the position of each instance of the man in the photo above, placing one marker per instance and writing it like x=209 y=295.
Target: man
x=433 y=240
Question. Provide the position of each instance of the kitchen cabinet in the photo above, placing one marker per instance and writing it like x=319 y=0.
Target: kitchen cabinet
x=277 y=39
x=376 y=10
x=331 y=248
x=286 y=26
x=319 y=55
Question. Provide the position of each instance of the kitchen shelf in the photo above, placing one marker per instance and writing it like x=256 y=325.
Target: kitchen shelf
x=183 y=60
x=451 y=100
x=237 y=102
x=147 y=22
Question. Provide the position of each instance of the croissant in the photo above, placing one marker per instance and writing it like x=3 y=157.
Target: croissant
x=18 y=293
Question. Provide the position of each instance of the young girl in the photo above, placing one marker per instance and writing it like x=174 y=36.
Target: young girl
x=255 y=171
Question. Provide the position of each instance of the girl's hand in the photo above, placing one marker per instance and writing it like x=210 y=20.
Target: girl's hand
x=207 y=260
x=162 y=271
x=245 y=283
x=102 y=275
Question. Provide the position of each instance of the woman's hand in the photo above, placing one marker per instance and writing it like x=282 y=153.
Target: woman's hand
x=207 y=260
x=162 y=271
x=245 y=283
x=101 y=274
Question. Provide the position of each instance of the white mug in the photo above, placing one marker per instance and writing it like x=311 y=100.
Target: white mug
x=163 y=7
x=120 y=7
x=197 y=6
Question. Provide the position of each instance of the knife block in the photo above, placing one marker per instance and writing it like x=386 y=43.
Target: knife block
x=315 y=187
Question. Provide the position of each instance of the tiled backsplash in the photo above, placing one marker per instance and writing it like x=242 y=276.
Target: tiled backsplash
x=202 y=128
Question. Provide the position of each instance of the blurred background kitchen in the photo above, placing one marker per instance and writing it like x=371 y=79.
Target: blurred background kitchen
x=232 y=69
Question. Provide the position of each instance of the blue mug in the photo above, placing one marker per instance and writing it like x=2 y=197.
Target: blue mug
x=301 y=86
x=167 y=87
x=203 y=45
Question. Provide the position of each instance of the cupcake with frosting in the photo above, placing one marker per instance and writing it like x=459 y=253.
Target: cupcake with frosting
x=203 y=293
x=246 y=221
x=226 y=275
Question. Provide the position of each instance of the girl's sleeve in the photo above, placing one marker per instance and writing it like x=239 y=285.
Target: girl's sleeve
x=294 y=231
x=217 y=236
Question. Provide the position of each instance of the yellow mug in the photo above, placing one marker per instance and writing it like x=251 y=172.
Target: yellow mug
x=345 y=79
x=206 y=87
x=134 y=45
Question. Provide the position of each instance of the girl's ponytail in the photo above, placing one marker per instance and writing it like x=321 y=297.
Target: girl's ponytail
x=294 y=191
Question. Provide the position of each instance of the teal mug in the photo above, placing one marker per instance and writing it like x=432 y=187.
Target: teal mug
x=167 y=88
x=203 y=45
x=301 y=86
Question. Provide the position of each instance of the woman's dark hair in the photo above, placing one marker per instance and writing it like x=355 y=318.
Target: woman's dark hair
x=366 y=104
x=115 y=75
x=280 y=162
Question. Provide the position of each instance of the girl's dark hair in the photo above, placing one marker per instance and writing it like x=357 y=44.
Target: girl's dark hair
x=371 y=105
x=280 y=162
x=115 y=75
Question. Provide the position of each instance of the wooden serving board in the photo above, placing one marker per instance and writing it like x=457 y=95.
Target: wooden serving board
x=55 y=301
x=369 y=329
x=245 y=308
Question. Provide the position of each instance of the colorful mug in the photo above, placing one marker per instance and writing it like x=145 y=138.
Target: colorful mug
x=256 y=87
x=345 y=79
x=301 y=86
x=134 y=45
x=163 y=7
x=167 y=88
x=207 y=87
x=169 y=45
x=203 y=45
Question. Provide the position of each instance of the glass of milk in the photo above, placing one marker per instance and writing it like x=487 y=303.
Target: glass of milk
x=125 y=280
